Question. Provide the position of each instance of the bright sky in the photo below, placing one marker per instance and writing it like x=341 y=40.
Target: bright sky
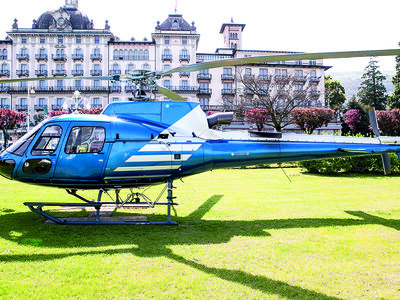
x=288 y=25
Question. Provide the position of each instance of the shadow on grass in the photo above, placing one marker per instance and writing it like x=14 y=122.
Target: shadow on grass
x=153 y=241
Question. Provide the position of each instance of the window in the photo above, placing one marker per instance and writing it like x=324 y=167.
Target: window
x=24 y=40
x=204 y=101
x=227 y=71
x=78 y=39
x=247 y=72
x=97 y=40
x=42 y=85
x=184 y=40
x=77 y=84
x=60 y=84
x=48 y=141
x=166 y=40
x=42 y=40
x=60 y=39
x=86 y=139
x=167 y=84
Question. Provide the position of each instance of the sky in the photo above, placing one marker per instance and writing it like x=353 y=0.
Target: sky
x=280 y=25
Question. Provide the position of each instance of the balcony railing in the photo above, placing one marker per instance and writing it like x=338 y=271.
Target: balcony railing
x=204 y=76
x=56 y=107
x=130 y=88
x=41 y=57
x=115 y=89
x=22 y=72
x=21 y=107
x=185 y=89
x=184 y=57
x=227 y=77
x=96 y=56
x=315 y=79
x=115 y=72
x=165 y=57
x=96 y=72
x=40 y=106
x=77 y=56
x=281 y=78
x=96 y=105
x=4 y=106
x=204 y=91
x=264 y=77
x=77 y=72
x=4 y=73
x=300 y=78
x=41 y=72
x=59 y=57
x=3 y=57
x=128 y=71
x=59 y=90
x=184 y=74
x=59 y=72
x=228 y=91
x=23 y=56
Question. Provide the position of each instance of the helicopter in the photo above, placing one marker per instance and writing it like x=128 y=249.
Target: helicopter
x=141 y=143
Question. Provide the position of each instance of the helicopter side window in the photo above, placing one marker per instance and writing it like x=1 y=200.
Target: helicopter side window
x=48 y=141
x=85 y=139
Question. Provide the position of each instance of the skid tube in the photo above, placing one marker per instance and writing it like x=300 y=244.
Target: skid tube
x=37 y=207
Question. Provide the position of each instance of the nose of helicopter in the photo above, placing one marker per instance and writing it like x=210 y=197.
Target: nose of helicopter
x=7 y=165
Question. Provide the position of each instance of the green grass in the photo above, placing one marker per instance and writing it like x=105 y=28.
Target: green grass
x=243 y=234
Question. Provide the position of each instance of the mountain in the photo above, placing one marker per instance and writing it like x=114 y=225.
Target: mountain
x=351 y=81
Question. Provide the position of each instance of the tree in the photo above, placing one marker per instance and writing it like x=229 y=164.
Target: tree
x=334 y=93
x=279 y=95
x=56 y=113
x=363 y=127
x=352 y=118
x=8 y=119
x=308 y=119
x=394 y=100
x=389 y=122
x=258 y=116
x=91 y=111
x=372 y=91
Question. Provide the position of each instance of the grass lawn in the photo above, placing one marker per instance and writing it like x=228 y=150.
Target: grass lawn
x=244 y=233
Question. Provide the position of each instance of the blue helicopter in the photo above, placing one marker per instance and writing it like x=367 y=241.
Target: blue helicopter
x=141 y=143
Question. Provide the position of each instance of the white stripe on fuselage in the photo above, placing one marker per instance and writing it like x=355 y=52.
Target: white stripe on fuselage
x=170 y=147
x=157 y=158
x=146 y=168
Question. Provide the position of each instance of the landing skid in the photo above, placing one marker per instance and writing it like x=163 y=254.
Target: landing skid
x=133 y=200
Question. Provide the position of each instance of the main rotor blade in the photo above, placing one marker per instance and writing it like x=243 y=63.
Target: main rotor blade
x=280 y=57
x=55 y=78
x=170 y=94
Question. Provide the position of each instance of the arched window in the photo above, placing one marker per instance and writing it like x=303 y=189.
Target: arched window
x=96 y=51
x=166 y=52
x=125 y=54
x=146 y=66
x=130 y=54
x=4 y=53
x=146 y=54
x=141 y=55
x=136 y=55
x=116 y=53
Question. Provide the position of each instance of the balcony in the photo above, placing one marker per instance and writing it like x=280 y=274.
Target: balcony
x=265 y=78
x=185 y=89
x=4 y=73
x=204 y=91
x=228 y=92
x=59 y=57
x=59 y=72
x=96 y=57
x=184 y=57
x=166 y=57
x=115 y=89
x=315 y=79
x=300 y=78
x=96 y=105
x=22 y=72
x=127 y=72
x=115 y=72
x=184 y=74
x=315 y=94
x=4 y=88
x=4 y=106
x=41 y=72
x=96 y=72
x=77 y=57
x=20 y=107
x=23 y=56
x=227 y=77
x=202 y=76
x=77 y=72
x=130 y=88
x=56 y=107
x=40 y=106
x=39 y=57
x=281 y=78
x=3 y=57
x=248 y=92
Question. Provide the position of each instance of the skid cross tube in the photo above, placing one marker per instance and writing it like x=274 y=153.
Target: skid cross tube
x=37 y=207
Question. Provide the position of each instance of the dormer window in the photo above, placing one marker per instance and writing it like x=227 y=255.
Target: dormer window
x=175 y=24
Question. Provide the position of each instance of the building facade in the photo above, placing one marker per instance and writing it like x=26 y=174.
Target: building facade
x=65 y=44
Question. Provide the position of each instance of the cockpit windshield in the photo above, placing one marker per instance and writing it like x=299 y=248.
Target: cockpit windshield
x=20 y=146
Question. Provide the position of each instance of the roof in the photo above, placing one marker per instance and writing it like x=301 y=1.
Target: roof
x=231 y=24
x=175 y=22
x=73 y=18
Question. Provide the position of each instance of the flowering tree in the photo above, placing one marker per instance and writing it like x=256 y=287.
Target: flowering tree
x=91 y=111
x=352 y=117
x=56 y=113
x=8 y=119
x=258 y=116
x=389 y=121
x=308 y=119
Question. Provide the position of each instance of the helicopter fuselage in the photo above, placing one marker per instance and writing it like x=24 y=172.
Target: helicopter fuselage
x=134 y=144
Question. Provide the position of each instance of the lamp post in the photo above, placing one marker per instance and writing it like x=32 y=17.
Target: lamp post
x=75 y=102
x=28 y=119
